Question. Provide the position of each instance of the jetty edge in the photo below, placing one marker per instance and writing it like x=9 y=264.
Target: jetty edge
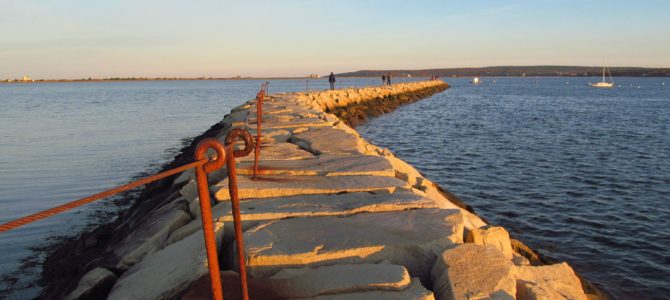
x=331 y=217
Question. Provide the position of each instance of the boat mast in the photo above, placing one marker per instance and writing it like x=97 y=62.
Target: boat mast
x=610 y=73
x=603 y=73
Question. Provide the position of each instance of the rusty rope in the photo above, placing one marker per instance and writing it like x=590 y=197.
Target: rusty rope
x=74 y=204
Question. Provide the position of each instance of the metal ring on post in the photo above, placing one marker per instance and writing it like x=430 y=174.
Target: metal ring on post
x=236 y=133
x=206 y=209
x=201 y=154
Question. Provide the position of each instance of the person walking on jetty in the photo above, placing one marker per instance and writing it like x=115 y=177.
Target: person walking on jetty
x=331 y=79
x=388 y=79
x=383 y=79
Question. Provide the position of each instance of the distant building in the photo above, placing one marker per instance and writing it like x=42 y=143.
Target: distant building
x=314 y=76
x=27 y=79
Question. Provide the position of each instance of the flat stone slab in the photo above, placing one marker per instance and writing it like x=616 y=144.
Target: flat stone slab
x=337 y=279
x=269 y=136
x=329 y=140
x=295 y=122
x=472 y=271
x=322 y=205
x=557 y=281
x=416 y=291
x=282 y=185
x=411 y=238
x=279 y=151
x=324 y=165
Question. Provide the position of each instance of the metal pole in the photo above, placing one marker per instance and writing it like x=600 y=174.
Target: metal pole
x=206 y=209
x=259 y=120
x=231 y=137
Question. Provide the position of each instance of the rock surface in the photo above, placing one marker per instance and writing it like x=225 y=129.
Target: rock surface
x=96 y=283
x=166 y=273
x=152 y=234
x=323 y=165
x=279 y=151
x=282 y=185
x=415 y=291
x=410 y=238
x=491 y=235
x=320 y=141
x=230 y=280
x=557 y=281
x=472 y=271
x=338 y=279
x=323 y=205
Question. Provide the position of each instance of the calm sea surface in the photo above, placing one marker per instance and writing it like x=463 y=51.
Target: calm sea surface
x=63 y=141
x=578 y=173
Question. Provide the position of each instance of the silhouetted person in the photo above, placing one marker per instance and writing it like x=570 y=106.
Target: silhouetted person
x=331 y=79
x=383 y=79
x=388 y=78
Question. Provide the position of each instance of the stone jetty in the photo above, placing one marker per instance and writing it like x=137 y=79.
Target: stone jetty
x=330 y=217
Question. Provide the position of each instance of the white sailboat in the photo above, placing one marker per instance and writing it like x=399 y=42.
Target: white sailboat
x=604 y=84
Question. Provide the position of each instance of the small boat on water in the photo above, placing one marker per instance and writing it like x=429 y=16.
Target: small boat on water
x=475 y=80
x=604 y=84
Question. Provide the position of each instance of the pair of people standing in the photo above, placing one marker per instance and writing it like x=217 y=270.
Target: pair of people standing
x=386 y=79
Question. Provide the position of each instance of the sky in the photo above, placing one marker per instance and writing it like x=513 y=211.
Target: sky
x=122 y=38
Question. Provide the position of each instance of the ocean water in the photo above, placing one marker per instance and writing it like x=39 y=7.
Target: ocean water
x=63 y=141
x=578 y=173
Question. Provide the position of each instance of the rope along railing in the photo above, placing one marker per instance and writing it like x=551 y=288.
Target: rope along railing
x=225 y=155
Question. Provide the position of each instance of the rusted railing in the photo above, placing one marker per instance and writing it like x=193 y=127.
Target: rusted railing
x=203 y=165
x=259 y=119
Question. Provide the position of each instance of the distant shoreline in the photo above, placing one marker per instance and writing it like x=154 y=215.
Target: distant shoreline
x=518 y=71
x=145 y=79
x=304 y=78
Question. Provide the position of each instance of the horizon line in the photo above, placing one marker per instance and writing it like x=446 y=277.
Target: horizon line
x=238 y=77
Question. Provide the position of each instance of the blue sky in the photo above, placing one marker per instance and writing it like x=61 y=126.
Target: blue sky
x=76 y=38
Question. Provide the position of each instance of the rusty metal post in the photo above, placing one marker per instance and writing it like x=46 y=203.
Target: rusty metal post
x=206 y=209
x=259 y=120
x=231 y=153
